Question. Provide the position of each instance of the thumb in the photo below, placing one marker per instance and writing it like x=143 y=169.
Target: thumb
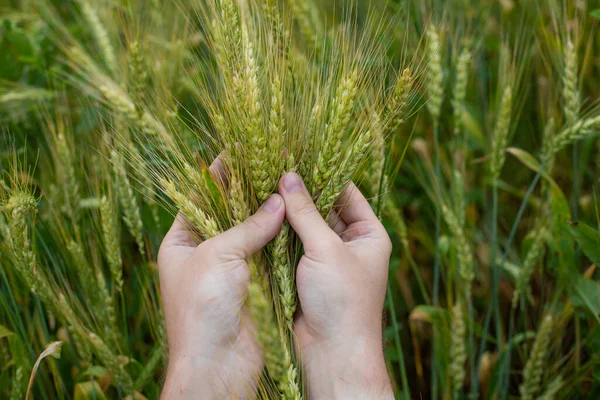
x=303 y=215
x=245 y=239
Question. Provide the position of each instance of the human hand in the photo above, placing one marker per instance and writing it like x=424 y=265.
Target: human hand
x=341 y=282
x=213 y=353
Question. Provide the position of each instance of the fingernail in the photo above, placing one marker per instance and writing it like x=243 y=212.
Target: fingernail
x=292 y=183
x=272 y=204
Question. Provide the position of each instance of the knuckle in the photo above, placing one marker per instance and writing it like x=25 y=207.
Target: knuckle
x=330 y=244
x=254 y=224
x=305 y=208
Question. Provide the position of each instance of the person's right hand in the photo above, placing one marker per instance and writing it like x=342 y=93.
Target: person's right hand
x=341 y=282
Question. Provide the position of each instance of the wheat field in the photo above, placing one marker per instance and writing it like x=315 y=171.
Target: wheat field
x=470 y=125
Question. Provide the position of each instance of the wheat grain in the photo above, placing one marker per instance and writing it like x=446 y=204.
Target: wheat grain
x=458 y=350
x=128 y=201
x=532 y=374
x=501 y=132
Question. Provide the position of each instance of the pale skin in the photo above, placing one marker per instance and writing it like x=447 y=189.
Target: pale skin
x=341 y=282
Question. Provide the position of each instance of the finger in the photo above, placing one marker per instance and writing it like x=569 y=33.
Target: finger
x=247 y=238
x=177 y=245
x=353 y=207
x=218 y=171
x=336 y=223
x=179 y=234
x=302 y=213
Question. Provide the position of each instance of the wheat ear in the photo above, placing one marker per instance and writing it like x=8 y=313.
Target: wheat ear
x=342 y=107
x=534 y=369
x=465 y=258
x=19 y=384
x=501 y=133
x=110 y=235
x=90 y=14
x=397 y=106
x=460 y=86
x=258 y=157
x=277 y=358
x=284 y=274
x=552 y=389
x=533 y=255
x=207 y=226
x=571 y=96
x=112 y=363
x=435 y=82
x=71 y=186
x=458 y=350
x=340 y=179
x=128 y=201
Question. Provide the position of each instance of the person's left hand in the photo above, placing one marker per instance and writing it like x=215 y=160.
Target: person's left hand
x=213 y=353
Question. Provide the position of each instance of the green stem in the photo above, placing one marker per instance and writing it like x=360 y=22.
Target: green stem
x=398 y=343
x=436 y=262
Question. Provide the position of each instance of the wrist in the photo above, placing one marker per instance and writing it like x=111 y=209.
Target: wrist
x=350 y=368
x=185 y=379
